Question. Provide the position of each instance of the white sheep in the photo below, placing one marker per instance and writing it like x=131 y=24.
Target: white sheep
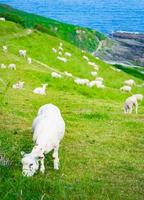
x=18 y=85
x=86 y=58
x=68 y=74
x=2 y=19
x=94 y=73
x=54 y=50
x=93 y=65
x=40 y=90
x=60 y=53
x=60 y=49
x=56 y=75
x=96 y=83
x=29 y=60
x=81 y=81
x=129 y=82
x=12 y=66
x=3 y=66
x=5 y=49
x=126 y=88
x=61 y=44
x=131 y=102
x=48 y=131
x=22 y=52
x=62 y=59
x=67 y=54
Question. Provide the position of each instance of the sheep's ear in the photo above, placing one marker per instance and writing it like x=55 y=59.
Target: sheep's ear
x=22 y=153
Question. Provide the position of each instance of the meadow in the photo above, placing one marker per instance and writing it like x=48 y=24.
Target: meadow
x=101 y=155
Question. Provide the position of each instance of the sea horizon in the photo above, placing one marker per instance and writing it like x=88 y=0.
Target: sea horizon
x=104 y=16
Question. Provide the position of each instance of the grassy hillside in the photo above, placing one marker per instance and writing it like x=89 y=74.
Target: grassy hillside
x=101 y=155
x=84 y=38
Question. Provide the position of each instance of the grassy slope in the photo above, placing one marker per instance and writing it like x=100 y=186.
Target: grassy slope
x=87 y=41
x=101 y=155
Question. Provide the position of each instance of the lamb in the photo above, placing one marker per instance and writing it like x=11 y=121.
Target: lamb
x=62 y=59
x=12 y=66
x=125 y=88
x=131 y=102
x=3 y=66
x=67 y=54
x=81 y=81
x=5 y=49
x=48 y=131
x=93 y=73
x=54 y=50
x=56 y=75
x=22 y=53
x=86 y=58
x=2 y=19
x=18 y=85
x=40 y=90
x=68 y=74
x=130 y=82
x=29 y=60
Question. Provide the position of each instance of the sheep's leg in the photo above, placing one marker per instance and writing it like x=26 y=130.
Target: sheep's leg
x=56 y=158
x=42 y=167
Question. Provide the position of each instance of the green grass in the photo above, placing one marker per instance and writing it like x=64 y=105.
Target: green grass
x=101 y=155
x=88 y=40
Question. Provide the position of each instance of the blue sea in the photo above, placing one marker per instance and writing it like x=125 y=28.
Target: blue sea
x=104 y=15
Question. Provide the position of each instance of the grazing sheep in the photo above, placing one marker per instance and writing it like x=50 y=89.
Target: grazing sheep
x=93 y=73
x=22 y=53
x=40 y=90
x=56 y=75
x=86 y=58
x=29 y=31
x=5 y=49
x=81 y=81
x=131 y=102
x=3 y=66
x=96 y=83
x=29 y=60
x=18 y=85
x=125 y=88
x=93 y=65
x=60 y=53
x=2 y=19
x=48 y=131
x=67 y=54
x=130 y=82
x=60 y=49
x=61 y=44
x=54 y=50
x=62 y=59
x=68 y=74
x=12 y=66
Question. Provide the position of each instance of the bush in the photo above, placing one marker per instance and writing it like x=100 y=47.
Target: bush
x=43 y=29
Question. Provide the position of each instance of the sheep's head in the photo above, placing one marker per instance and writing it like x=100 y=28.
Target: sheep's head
x=30 y=164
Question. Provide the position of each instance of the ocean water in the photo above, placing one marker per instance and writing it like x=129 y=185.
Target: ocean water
x=103 y=15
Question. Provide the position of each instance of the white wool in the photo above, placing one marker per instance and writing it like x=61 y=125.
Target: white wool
x=68 y=74
x=40 y=90
x=67 y=54
x=54 y=50
x=61 y=44
x=126 y=88
x=86 y=58
x=81 y=81
x=5 y=49
x=96 y=83
x=56 y=75
x=129 y=82
x=12 y=66
x=48 y=131
x=3 y=66
x=2 y=19
x=60 y=53
x=131 y=102
x=93 y=73
x=60 y=48
x=22 y=52
x=29 y=60
x=18 y=85
x=62 y=59
x=29 y=31
x=93 y=65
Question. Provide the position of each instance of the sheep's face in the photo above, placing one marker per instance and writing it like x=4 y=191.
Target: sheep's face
x=30 y=165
